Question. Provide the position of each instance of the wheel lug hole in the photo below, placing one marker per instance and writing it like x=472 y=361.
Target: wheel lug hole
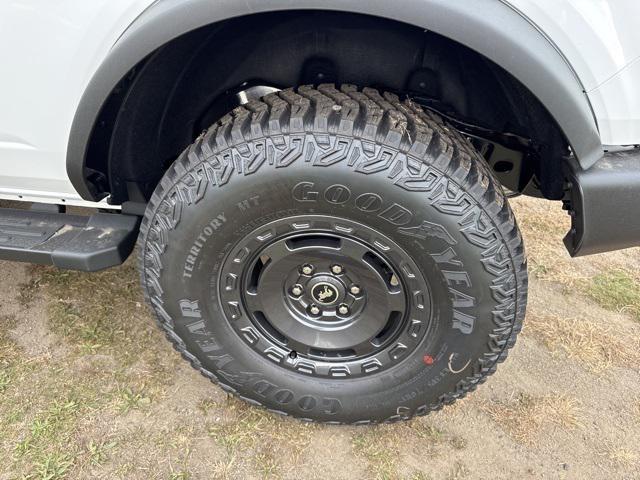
x=297 y=290
x=355 y=290
x=337 y=269
x=343 y=309
x=306 y=269
x=314 y=310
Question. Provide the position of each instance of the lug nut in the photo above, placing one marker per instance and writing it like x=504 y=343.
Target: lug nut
x=307 y=269
x=336 y=269
x=343 y=309
x=355 y=290
x=297 y=290
x=314 y=310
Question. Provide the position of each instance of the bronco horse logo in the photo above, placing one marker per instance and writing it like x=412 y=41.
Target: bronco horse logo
x=324 y=293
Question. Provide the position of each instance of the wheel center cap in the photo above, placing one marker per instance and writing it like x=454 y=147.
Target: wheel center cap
x=324 y=293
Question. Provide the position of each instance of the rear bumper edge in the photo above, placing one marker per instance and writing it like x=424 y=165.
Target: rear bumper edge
x=605 y=204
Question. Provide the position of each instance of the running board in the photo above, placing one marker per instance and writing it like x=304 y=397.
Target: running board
x=73 y=242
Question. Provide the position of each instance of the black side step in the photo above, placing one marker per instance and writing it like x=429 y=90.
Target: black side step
x=74 y=242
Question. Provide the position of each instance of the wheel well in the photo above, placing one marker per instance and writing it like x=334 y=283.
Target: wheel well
x=175 y=93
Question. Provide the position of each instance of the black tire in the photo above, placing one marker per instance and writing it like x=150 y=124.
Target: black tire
x=386 y=175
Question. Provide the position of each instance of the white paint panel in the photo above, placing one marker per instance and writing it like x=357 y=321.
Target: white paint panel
x=49 y=51
x=617 y=105
x=51 y=48
x=601 y=41
x=598 y=37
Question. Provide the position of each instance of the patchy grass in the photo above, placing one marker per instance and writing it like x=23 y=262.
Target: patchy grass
x=383 y=446
x=543 y=225
x=52 y=467
x=380 y=450
x=267 y=465
x=98 y=451
x=524 y=416
x=180 y=475
x=9 y=353
x=594 y=344
x=46 y=450
x=44 y=421
x=458 y=472
x=419 y=476
x=621 y=455
x=10 y=364
x=207 y=405
x=132 y=400
x=5 y=380
x=256 y=431
x=28 y=291
x=48 y=403
x=616 y=290
x=98 y=312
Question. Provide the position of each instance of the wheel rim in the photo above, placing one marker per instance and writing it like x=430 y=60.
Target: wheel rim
x=325 y=296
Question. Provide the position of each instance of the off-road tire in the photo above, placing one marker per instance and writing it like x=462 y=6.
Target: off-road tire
x=377 y=164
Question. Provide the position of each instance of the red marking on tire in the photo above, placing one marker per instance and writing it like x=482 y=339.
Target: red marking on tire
x=428 y=360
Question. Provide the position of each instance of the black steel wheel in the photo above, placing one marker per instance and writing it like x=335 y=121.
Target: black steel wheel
x=336 y=255
x=324 y=296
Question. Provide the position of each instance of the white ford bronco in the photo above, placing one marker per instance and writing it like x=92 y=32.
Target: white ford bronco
x=319 y=189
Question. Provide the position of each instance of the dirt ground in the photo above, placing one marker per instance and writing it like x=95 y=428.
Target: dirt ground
x=89 y=388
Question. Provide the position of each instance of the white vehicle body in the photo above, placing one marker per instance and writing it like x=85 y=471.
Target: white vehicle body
x=51 y=49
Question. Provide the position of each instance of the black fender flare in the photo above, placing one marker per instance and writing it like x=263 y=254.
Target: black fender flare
x=491 y=27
